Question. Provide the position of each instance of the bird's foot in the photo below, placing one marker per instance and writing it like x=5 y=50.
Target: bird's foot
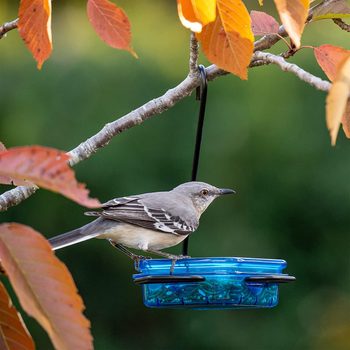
x=138 y=258
x=174 y=259
x=184 y=257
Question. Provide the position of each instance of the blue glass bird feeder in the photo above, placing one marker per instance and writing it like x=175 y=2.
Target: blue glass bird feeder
x=211 y=283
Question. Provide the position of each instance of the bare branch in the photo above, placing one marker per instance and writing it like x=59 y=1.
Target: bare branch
x=194 y=51
x=341 y=24
x=293 y=68
x=15 y=196
x=136 y=117
x=6 y=27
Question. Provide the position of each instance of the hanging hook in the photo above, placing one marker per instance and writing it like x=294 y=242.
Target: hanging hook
x=201 y=95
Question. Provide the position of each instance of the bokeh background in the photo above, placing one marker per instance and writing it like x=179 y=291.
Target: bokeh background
x=265 y=137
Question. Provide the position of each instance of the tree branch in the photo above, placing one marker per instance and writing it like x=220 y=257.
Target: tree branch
x=341 y=24
x=268 y=41
x=293 y=68
x=6 y=27
x=15 y=196
x=136 y=117
x=163 y=103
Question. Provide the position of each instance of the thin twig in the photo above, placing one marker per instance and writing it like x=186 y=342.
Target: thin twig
x=293 y=68
x=194 y=52
x=341 y=24
x=268 y=41
x=6 y=27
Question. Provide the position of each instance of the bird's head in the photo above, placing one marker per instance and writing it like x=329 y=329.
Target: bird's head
x=201 y=193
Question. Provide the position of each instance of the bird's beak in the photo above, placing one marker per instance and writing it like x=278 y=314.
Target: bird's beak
x=226 y=191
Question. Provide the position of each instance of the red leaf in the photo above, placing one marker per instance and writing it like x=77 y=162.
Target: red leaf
x=47 y=168
x=5 y=179
x=263 y=24
x=329 y=57
x=34 y=27
x=13 y=332
x=44 y=286
x=111 y=24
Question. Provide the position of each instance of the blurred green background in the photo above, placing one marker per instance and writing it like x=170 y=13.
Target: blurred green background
x=265 y=137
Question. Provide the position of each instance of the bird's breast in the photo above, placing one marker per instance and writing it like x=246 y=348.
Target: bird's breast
x=140 y=238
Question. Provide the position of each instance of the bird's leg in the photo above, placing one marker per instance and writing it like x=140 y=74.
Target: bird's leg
x=172 y=257
x=127 y=252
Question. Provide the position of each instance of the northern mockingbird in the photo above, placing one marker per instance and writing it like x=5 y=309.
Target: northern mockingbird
x=148 y=222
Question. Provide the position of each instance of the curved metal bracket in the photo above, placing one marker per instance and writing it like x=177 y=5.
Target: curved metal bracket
x=270 y=279
x=168 y=279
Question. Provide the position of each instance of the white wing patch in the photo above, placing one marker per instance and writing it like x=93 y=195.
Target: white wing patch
x=165 y=222
x=162 y=227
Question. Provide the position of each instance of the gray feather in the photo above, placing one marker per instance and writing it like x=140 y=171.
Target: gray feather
x=91 y=230
x=159 y=211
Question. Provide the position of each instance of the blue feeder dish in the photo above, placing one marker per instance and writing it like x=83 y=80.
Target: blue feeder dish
x=211 y=283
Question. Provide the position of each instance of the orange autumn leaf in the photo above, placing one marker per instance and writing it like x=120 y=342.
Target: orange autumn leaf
x=337 y=99
x=44 y=286
x=228 y=42
x=329 y=57
x=34 y=27
x=194 y=14
x=47 y=168
x=111 y=24
x=13 y=332
x=293 y=14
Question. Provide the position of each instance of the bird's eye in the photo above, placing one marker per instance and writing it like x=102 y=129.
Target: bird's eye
x=204 y=192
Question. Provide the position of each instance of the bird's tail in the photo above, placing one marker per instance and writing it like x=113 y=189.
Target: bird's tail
x=91 y=230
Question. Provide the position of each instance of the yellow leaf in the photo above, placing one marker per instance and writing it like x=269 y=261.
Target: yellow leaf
x=194 y=14
x=228 y=42
x=261 y=2
x=346 y=120
x=337 y=99
x=293 y=14
x=205 y=10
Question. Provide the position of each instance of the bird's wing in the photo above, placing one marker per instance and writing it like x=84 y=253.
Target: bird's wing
x=133 y=210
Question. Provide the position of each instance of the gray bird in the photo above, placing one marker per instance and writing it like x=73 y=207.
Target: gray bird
x=148 y=222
